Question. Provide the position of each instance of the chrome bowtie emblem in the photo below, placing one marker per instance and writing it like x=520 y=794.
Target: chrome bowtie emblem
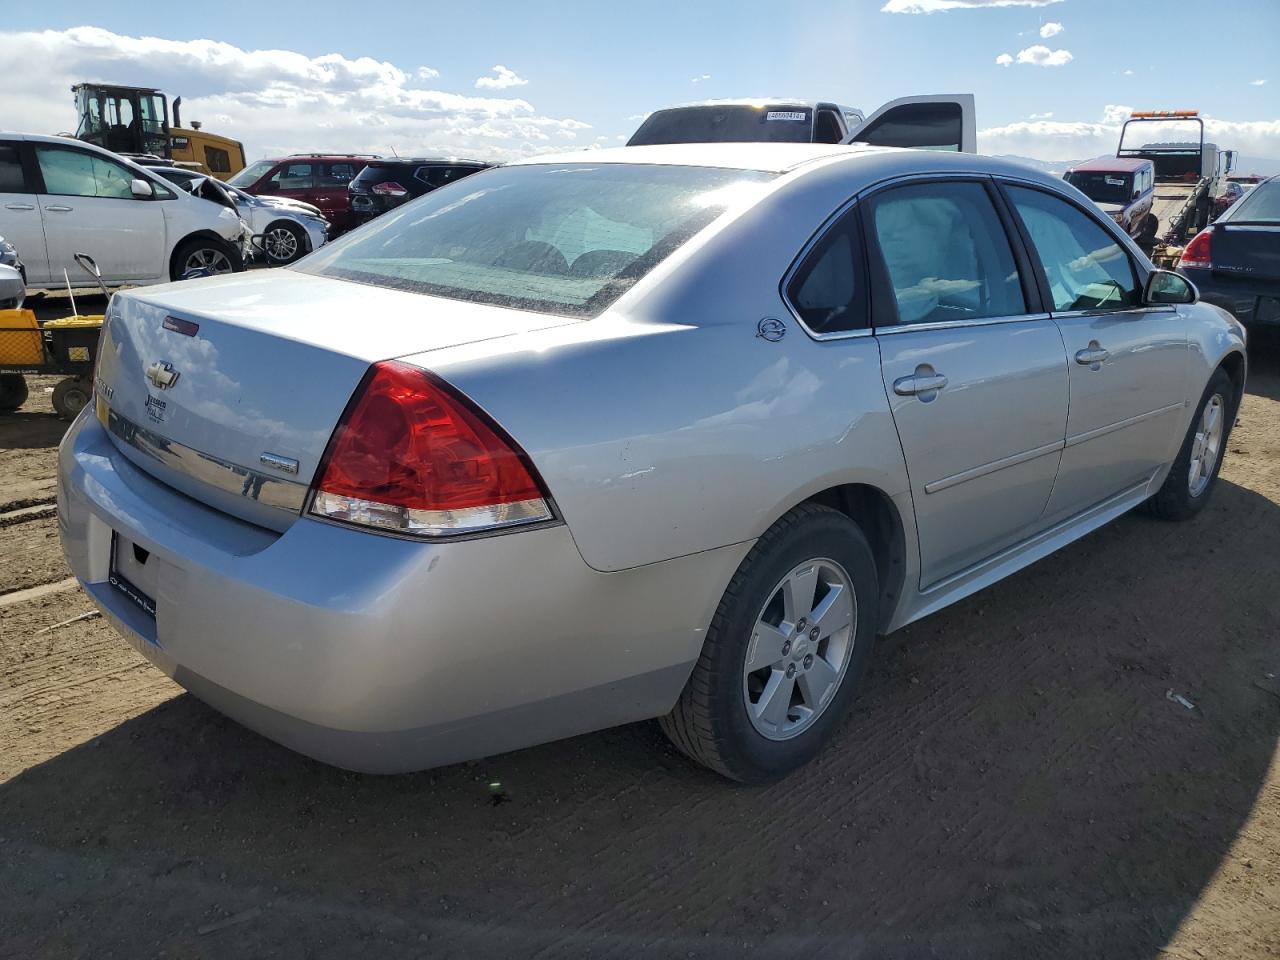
x=162 y=374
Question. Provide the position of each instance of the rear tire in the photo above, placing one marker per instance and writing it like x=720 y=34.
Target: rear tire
x=13 y=391
x=1195 y=471
x=722 y=719
x=70 y=396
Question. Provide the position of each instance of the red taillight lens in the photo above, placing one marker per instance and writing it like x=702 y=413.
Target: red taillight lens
x=389 y=188
x=412 y=456
x=1199 y=252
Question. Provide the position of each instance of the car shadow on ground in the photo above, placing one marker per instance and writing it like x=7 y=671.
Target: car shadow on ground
x=30 y=430
x=1054 y=767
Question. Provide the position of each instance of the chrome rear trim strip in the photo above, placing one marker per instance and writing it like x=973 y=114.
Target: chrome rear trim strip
x=270 y=491
x=1121 y=424
x=937 y=486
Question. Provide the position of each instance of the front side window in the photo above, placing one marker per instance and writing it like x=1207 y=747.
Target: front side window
x=252 y=173
x=923 y=126
x=294 y=176
x=827 y=289
x=1085 y=267
x=945 y=253
x=566 y=239
x=73 y=173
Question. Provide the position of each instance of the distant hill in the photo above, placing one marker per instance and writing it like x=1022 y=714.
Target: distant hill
x=1055 y=167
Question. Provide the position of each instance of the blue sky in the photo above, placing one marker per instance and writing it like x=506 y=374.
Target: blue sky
x=589 y=69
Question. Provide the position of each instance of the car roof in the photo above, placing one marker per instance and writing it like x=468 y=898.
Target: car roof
x=765 y=157
x=758 y=102
x=1111 y=164
x=328 y=156
x=419 y=161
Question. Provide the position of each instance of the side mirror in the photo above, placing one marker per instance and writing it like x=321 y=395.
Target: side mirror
x=1165 y=287
x=141 y=189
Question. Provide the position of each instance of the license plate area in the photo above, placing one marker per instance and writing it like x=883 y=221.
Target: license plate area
x=129 y=575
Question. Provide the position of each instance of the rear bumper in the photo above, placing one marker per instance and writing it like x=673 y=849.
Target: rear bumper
x=376 y=653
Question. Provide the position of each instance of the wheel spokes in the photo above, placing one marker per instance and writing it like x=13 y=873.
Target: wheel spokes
x=767 y=645
x=775 y=699
x=798 y=592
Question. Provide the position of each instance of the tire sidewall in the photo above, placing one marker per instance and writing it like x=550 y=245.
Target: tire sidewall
x=184 y=250
x=830 y=535
x=1219 y=383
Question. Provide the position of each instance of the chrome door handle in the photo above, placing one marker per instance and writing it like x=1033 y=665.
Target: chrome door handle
x=59 y=209
x=1092 y=355
x=910 y=386
x=19 y=206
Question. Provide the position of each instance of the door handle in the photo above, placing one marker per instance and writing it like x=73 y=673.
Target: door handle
x=1092 y=355
x=59 y=209
x=919 y=383
x=19 y=206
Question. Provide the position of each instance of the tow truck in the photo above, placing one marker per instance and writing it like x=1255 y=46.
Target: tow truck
x=1189 y=173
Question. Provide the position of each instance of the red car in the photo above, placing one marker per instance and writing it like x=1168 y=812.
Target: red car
x=317 y=178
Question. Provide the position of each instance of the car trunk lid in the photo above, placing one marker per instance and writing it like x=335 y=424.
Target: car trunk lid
x=229 y=388
x=1246 y=251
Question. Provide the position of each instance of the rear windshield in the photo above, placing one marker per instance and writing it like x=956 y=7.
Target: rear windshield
x=565 y=239
x=1102 y=187
x=742 y=123
x=1259 y=205
x=251 y=174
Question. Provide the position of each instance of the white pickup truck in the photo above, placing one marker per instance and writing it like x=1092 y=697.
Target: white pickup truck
x=936 y=122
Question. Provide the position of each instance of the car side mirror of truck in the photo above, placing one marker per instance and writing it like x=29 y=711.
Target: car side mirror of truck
x=1166 y=287
x=141 y=189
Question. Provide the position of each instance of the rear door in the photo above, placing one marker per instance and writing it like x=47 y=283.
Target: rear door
x=944 y=121
x=332 y=178
x=88 y=207
x=1128 y=362
x=975 y=375
x=20 y=212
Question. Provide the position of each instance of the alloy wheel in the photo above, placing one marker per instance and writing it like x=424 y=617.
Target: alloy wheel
x=280 y=244
x=1206 y=446
x=800 y=649
x=208 y=258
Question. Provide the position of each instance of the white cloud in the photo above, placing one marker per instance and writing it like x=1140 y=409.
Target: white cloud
x=501 y=80
x=1256 y=83
x=1051 y=29
x=1041 y=56
x=275 y=101
x=699 y=79
x=1004 y=60
x=1047 y=139
x=940 y=6
x=1040 y=116
x=1128 y=73
x=426 y=73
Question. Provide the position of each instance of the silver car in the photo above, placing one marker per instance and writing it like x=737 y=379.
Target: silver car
x=664 y=432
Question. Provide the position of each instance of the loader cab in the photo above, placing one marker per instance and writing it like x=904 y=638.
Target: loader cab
x=935 y=122
x=128 y=120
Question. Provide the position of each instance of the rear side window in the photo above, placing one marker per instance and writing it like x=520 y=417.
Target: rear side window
x=945 y=252
x=1261 y=204
x=337 y=174
x=1085 y=267
x=566 y=239
x=11 y=178
x=827 y=290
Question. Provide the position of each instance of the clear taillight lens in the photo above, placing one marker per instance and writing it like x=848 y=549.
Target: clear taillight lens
x=389 y=188
x=412 y=456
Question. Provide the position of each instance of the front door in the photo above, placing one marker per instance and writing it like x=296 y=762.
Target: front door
x=88 y=207
x=295 y=180
x=936 y=122
x=1128 y=362
x=20 y=214
x=977 y=384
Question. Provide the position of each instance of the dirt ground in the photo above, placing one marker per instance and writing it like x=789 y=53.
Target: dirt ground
x=1017 y=779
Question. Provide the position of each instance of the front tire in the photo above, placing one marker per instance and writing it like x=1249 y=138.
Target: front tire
x=204 y=253
x=1195 y=471
x=283 y=243
x=784 y=652
x=13 y=391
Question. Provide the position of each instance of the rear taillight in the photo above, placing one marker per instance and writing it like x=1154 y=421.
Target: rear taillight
x=412 y=456
x=1199 y=252
x=389 y=188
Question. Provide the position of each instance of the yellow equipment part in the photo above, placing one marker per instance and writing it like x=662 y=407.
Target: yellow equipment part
x=79 y=320
x=20 y=343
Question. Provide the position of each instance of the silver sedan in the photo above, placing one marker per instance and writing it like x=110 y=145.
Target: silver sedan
x=666 y=432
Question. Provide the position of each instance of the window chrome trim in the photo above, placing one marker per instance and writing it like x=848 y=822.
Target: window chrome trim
x=900 y=328
x=799 y=261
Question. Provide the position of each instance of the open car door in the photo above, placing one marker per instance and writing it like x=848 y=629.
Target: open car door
x=941 y=121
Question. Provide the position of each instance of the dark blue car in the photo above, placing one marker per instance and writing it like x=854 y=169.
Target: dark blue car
x=1235 y=263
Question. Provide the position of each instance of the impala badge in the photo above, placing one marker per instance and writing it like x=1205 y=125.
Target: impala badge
x=277 y=462
x=162 y=374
